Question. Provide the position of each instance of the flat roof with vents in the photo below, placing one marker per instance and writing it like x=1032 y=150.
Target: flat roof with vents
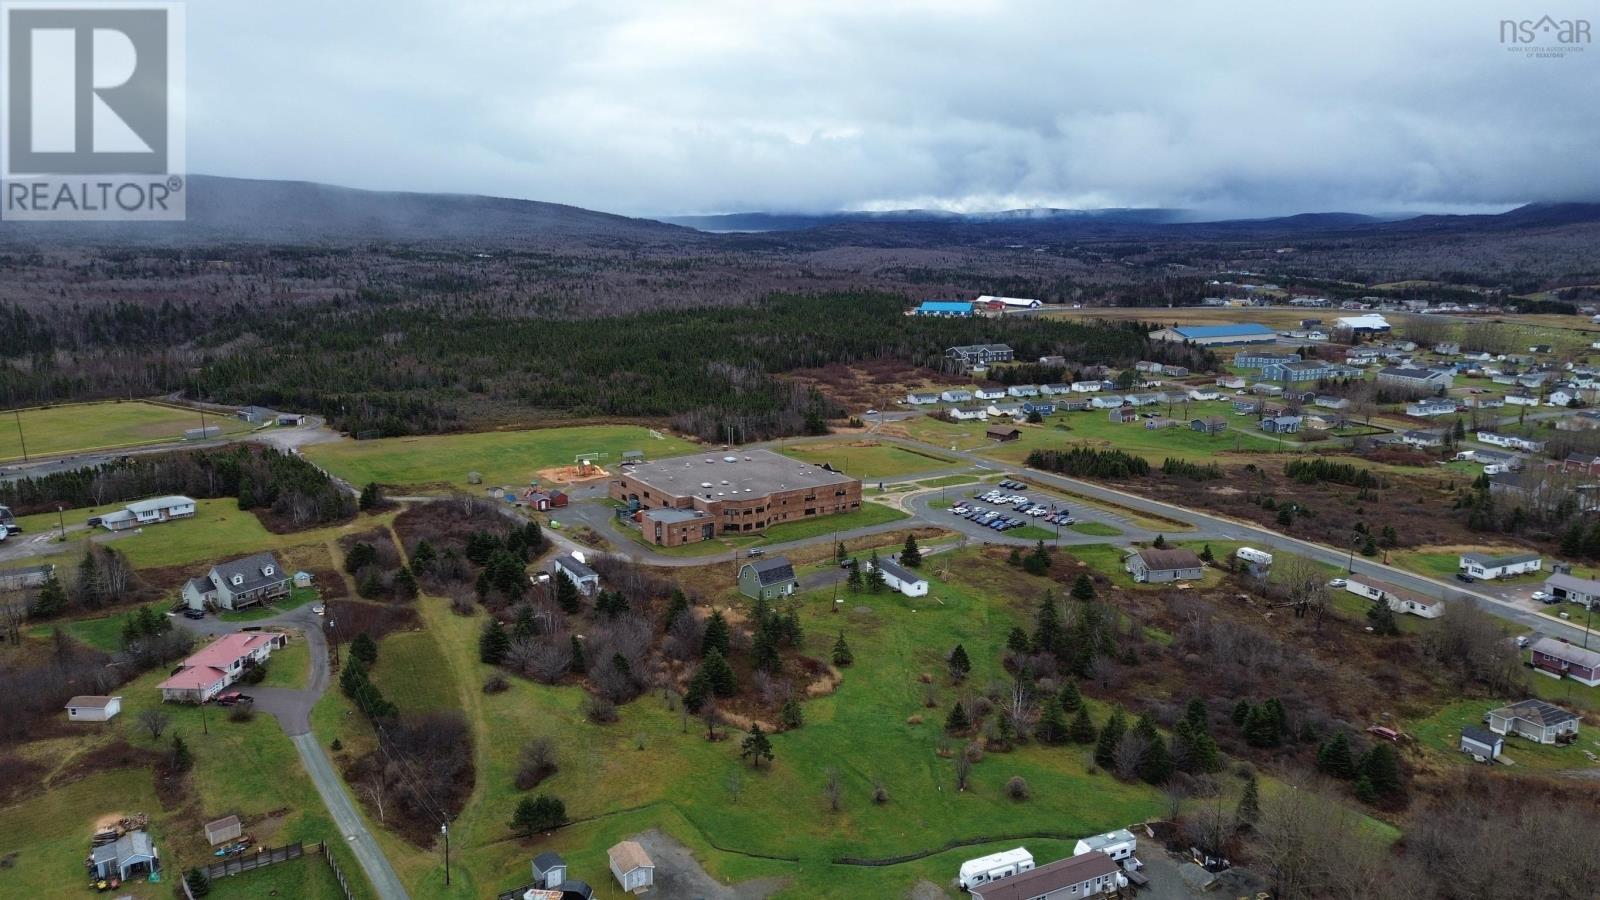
x=728 y=476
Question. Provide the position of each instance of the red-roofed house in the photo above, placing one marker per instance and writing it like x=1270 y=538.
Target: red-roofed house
x=205 y=674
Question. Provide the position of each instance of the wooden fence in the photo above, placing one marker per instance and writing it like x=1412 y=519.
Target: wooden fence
x=338 y=873
x=247 y=862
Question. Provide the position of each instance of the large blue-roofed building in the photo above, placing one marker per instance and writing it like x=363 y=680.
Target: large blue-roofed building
x=1212 y=335
x=944 y=308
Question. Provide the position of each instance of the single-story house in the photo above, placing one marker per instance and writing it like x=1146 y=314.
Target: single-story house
x=223 y=830
x=238 y=584
x=1053 y=360
x=1124 y=414
x=1107 y=401
x=1209 y=425
x=1562 y=397
x=918 y=398
x=1433 y=406
x=986 y=393
x=1535 y=720
x=93 y=708
x=1368 y=323
x=1573 y=589
x=1482 y=565
x=1281 y=424
x=1150 y=565
x=1447 y=348
x=1092 y=386
x=902 y=579
x=578 y=572
x=1231 y=382
x=1203 y=393
x=1055 y=390
x=1329 y=402
x=1010 y=302
x=1145 y=399
x=1076 y=877
x=132 y=854
x=1481 y=742
x=255 y=415
x=1072 y=404
x=544 y=501
x=148 y=512
x=1563 y=659
x=1413 y=378
x=1042 y=407
x=1419 y=438
x=1002 y=434
x=956 y=396
x=767 y=579
x=1522 y=399
x=208 y=672
x=1527 y=445
x=1159 y=422
x=290 y=420
x=1268 y=390
x=1398 y=599
x=1005 y=409
x=631 y=867
x=1023 y=390
x=967 y=414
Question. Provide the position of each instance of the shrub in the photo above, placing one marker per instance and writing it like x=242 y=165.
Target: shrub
x=1017 y=788
x=538 y=762
x=495 y=684
x=599 y=710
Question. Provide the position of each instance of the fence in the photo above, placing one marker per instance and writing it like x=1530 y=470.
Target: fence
x=258 y=860
x=338 y=873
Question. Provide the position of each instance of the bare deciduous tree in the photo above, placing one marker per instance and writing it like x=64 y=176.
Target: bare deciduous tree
x=155 y=721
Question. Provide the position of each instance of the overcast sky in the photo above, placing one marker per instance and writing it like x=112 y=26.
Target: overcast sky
x=659 y=106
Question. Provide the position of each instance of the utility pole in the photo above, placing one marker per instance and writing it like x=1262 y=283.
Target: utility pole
x=20 y=439
x=62 y=521
x=444 y=829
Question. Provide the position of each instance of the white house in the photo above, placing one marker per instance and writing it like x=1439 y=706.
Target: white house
x=1088 y=387
x=574 y=568
x=1522 y=400
x=1527 y=445
x=237 y=584
x=917 y=398
x=985 y=393
x=1119 y=844
x=994 y=867
x=148 y=512
x=902 y=579
x=968 y=414
x=1203 y=393
x=1482 y=565
x=1005 y=409
x=1023 y=390
x=1052 y=390
x=955 y=396
x=1433 y=406
x=205 y=674
x=1231 y=382
x=631 y=867
x=1535 y=720
x=1397 y=599
x=1009 y=302
x=1107 y=401
x=1562 y=397
x=91 y=708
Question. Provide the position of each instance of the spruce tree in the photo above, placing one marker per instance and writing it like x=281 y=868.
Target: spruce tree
x=1071 y=699
x=578 y=666
x=756 y=747
x=1155 y=762
x=1248 y=812
x=1047 y=630
x=716 y=635
x=405 y=584
x=678 y=605
x=1382 y=618
x=1160 y=542
x=1334 y=759
x=1017 y=642
x=1206 y=555
x=957 y=722
x=1241 y=713
x=764 y=649
x=1082 y=731
x=1381 y=768
x=841 y=652
x=1083 y=587
x=1105 y=751
x=567 y=596
x=698 y=691
x=525 y=625
x=365 y=649
x=1365 y=792
x=719 y=675
x=424 y=558
x=1196 y=714
x=960 y=665
x=790 y=717
x=911 y=554
x=1053 y=726
x=853 y=580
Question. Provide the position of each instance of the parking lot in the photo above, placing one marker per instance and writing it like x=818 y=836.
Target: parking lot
x=1012 y=511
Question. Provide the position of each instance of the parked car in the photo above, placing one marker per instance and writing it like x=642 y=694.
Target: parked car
x=1522 y=640
x=1543 y=597
x=755 y=551
x=1462 y=576
x=1337 y=583
x=194 y=613
x=229 y=698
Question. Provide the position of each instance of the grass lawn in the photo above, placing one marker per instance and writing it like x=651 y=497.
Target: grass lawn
x=868 y=460
x=868 y=514
x=1440 y=734
x=1444 y=564
x=655 y=769
x=1033 y=533
x=103 y=633
x=501 y=457
x=289 y=667
x=306 y=878
x=90 y=426
x=1098 y=529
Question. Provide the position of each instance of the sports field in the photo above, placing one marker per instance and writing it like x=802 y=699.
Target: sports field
x=500 y=457
x=80 y=427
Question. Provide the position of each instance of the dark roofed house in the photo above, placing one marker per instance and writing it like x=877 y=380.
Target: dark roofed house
x=549 y=870
x=238 y=583
x=1561 y=658
x=998 y=433
x=1167 y=564
x=1535 y=720
x=1087 y=875
x=578 y=572
x=1209 y=425
x=1481 y=742
x=767 y=579
x=980 y=354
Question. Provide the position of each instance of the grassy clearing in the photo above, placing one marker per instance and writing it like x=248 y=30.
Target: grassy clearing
x=91 y=426
x=1098 y=529
x=867 y=459
x=296 y=598
x=307 y=878
x=501 y=457
x=289 y=667
x=869 y=514
x=1440 y=734
x=949 y=481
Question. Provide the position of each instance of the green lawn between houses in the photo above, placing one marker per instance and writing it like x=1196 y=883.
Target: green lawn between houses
x=1440 y=734
x=78 y=427
x=678 y=781
x=501 y=457
x=246 y=768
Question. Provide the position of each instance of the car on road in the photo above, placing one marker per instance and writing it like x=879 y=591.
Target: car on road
x=319 y=610
x=194 y=614
x=1522 y=640
x=848 y=562
x=755 y=551
x=1543 y=597
x=1462 y=576
x=872 y=412
x=1337 y=583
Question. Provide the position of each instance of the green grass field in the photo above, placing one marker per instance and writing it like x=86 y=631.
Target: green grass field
x=307 y=878
x=92 y=426
x=868 y=514
x=501 y=457
x=948 y=481
x=867 y=459
x=655 y=769
x=1098 y=529
x=1440 y=733
x=297 y=598
x=290 y=667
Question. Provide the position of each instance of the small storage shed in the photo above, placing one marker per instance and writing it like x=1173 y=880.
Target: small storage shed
x=132 y=854
x=91 y=708
x=632 y=867
x=549 y=870
x=1481 y=742
x=223 y=830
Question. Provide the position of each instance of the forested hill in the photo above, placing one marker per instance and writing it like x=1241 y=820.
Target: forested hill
x=371 y=366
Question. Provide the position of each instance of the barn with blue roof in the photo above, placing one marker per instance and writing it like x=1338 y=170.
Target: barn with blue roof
x=1217 y=335
x=944 y=308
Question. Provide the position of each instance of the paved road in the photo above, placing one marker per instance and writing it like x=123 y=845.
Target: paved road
x=348 y=819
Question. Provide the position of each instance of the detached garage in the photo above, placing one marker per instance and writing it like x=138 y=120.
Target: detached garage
x=90 y=708
x=1481 y=742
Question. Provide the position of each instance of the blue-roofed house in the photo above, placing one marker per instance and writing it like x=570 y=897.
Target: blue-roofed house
x=1211 y=335
x=943 y=308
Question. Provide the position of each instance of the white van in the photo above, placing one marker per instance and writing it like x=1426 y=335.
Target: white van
x=995 y=866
